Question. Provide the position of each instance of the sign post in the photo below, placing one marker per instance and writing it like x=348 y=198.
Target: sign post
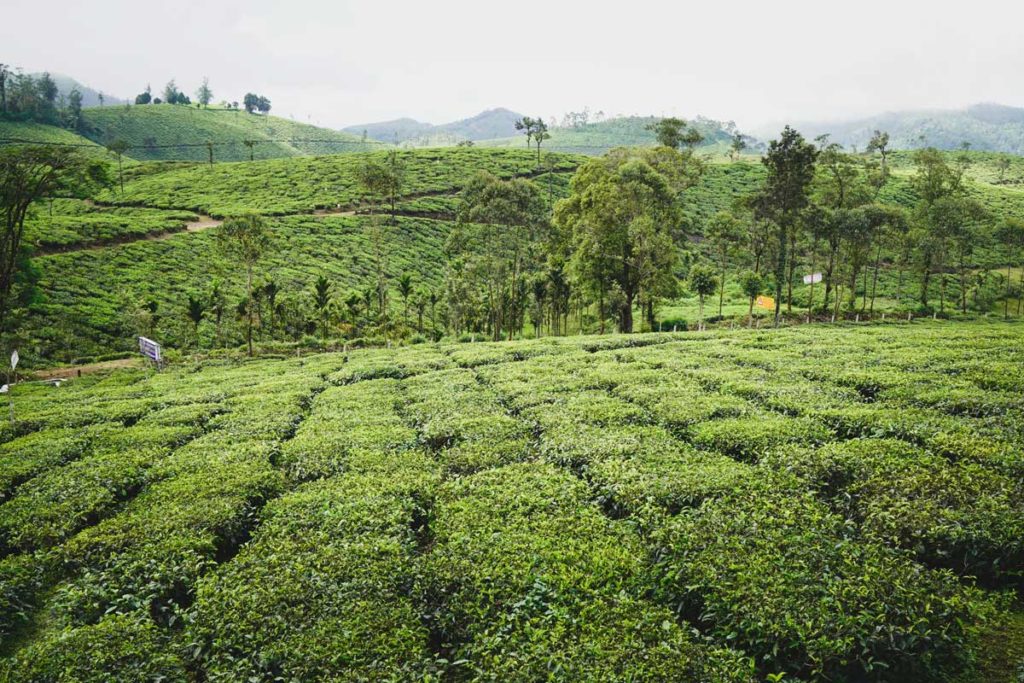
x=150 y=349
x=811 y=280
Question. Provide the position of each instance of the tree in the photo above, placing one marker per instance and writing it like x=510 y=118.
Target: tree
x=618 y=222
x=28 y=174
x=525 y=125
x=270 y=291
x=737 y=146
x=1003 y=163
x=491 y=249
x=675 y=133
x=751 y=284
x=540 y=134
x=203 y=93
x=420 y=300
x=879 y=142
x=145 y=97
x=250 y=102
x=383 y=179
x=4 y=75
x=936 y=184
x=725 y=234
x=1010 y=234
x=245 y=240
x=171 y=92
x=703 y=283
x=535 y=130
x=405 y=289
x=195 y=311
x=74 y=114
x=322 y=301
x=217 y=305
x=263 y=104
x=118 y=148
x=790 y=165
x=251 y=144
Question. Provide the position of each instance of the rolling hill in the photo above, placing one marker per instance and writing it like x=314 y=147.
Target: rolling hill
x=986 y=127
x=599 y=137
x=28 y=131
x=493 y=123
x=176 y=132
x=90 y=96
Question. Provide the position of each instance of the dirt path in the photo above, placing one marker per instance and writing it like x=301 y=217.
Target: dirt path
x=205 y=222
x=68 y=371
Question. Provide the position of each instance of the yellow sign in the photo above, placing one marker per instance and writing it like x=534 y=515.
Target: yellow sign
x=766 y=302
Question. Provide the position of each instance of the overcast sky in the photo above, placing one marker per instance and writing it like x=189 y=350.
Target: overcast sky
x=338 y=63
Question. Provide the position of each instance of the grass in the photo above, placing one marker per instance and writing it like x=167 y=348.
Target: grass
x=726 y=505
x=176 y=132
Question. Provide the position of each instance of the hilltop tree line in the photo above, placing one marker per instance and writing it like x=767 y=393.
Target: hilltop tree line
x=24 y=97
x=204 y=96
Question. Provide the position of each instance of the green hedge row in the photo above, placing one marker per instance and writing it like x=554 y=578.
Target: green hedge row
x=463 y=421
x=528 y=581
x=323 y=590
x=958 y=515
x=769 y=569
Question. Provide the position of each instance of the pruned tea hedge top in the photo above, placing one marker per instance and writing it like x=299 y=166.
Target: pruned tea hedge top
x=723 y=506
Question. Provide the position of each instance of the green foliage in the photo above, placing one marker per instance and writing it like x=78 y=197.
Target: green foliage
x=814 y=502
x=178 y=133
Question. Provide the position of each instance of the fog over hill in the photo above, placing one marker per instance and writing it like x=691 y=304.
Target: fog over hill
x=985 y=127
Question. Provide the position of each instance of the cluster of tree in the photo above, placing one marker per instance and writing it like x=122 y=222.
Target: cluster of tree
x=256 y=103
x=172 y=95
x=580 y=119
x=821 y=207
x=535 y=130
x=27 y=98
x=29 y=174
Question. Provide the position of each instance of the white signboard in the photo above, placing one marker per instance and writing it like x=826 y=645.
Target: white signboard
x=150 y=349
x=14 y=359
x=812 y=279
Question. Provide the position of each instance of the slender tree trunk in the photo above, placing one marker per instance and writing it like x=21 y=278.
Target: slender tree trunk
x=874 y=278
x=780 y=274
x=248 y=330
x=1020 y=288
x=1006 y=299
x=721 y=289
x=791 y=269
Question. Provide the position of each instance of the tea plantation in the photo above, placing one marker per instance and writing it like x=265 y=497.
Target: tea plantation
x=813 y=503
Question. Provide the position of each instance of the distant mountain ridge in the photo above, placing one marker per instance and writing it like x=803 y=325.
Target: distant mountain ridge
x=985 y=127
x=487 y=125
x=90 y=96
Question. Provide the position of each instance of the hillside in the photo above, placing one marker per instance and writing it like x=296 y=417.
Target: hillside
x=721 y=506
x=91 y=298
x=986 y=127
x=177 y=132
x=493 y=123
x=597 y=138
x=28 y=131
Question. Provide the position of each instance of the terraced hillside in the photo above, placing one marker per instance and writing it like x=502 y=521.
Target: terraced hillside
x=180 y=133
x=90 y=296
x=17 y=132
x=837 y=504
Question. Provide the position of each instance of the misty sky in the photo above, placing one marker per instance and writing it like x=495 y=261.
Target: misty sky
x=338 y=63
